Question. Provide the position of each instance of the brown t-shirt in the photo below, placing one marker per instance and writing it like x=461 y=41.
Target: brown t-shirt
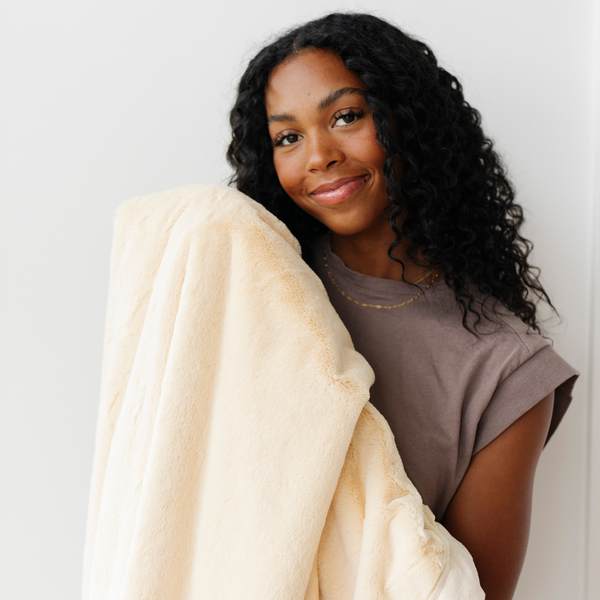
x=445 y=392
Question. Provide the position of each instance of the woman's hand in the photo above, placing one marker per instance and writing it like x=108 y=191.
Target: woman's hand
x=491 y=510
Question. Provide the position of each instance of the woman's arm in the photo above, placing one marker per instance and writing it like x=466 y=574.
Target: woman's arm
x=490 y=512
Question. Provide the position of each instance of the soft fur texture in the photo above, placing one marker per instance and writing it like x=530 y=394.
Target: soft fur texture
x=237 y=454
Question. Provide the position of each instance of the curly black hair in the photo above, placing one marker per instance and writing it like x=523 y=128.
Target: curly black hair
x=462 y=216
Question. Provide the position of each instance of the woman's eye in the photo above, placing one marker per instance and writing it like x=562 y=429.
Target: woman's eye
x=286 y=140
x=347 y=118
x=289 y=139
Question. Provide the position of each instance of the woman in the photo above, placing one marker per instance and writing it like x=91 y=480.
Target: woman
x=348 y=131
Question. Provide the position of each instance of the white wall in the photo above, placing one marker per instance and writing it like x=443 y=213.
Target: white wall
x=593 y=477
x=101 y=101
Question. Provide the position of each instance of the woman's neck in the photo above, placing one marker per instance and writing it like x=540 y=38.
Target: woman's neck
x=370 y=257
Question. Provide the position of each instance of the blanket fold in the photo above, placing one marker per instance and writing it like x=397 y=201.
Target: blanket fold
x=237 y=455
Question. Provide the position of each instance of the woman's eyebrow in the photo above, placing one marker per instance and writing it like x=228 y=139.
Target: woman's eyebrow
x=333 y=96
x=281 y=117
x=325 y=103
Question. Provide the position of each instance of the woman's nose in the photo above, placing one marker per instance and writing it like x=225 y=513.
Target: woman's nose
x=323 y=152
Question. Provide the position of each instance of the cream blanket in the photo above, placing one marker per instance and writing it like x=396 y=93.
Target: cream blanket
x=237 y=455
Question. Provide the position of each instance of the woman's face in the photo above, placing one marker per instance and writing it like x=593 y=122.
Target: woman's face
x=325 y=152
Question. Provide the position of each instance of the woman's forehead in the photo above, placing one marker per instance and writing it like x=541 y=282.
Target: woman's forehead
x=308 y=78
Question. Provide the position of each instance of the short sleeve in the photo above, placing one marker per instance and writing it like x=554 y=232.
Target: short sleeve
x=532 y=381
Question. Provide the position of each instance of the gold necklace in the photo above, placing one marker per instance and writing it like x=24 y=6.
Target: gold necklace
x=341 y=291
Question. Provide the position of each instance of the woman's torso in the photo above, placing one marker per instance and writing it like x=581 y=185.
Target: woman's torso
x=445 y=392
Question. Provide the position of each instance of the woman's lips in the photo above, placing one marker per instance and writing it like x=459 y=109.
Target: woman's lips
x=339 y=190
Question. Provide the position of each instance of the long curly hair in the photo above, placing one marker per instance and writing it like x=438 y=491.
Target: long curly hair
x=461 y=212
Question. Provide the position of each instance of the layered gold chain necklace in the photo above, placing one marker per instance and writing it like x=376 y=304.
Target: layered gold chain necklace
x=343 y=293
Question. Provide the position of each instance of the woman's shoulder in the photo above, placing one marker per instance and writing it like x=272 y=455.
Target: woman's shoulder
x=527 y=368
x=520 y=364
x=499 y=331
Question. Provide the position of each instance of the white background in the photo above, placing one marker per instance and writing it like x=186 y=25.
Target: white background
x=101 y=101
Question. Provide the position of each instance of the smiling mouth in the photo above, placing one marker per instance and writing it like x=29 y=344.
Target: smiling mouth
x=339 y=190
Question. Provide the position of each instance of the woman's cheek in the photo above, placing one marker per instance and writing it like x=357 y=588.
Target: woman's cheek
x=288 y=174
x=368 y=150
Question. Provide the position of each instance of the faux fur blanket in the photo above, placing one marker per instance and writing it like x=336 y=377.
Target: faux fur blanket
x=237 y=455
